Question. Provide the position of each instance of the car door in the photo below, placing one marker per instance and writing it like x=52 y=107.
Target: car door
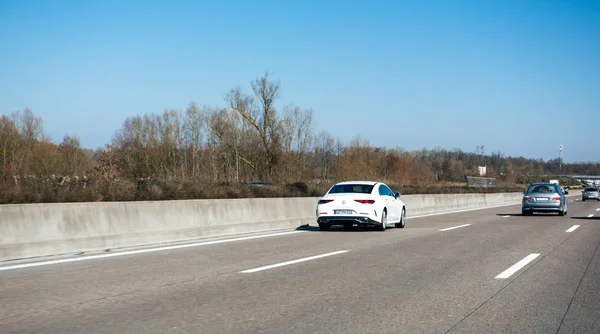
x=397 y=204
x=391 y=203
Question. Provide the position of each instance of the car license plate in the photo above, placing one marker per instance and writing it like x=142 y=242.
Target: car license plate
x=343 y=212
x=542 y=198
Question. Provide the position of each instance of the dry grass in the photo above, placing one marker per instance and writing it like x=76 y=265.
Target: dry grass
x=35 y=191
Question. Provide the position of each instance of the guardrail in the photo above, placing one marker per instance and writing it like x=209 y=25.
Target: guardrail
x=32 y=230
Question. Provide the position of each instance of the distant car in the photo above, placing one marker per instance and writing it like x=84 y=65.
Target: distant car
x=362 y=203
x=590 y=193
x=544 y=197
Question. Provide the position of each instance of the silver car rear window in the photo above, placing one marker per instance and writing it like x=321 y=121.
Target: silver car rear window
x=542 y=189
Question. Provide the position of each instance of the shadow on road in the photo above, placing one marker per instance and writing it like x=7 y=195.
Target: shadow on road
x=336 y=228
x=587 y=218
x=536 y=214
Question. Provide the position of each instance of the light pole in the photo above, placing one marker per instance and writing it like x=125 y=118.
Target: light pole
x=560 y=160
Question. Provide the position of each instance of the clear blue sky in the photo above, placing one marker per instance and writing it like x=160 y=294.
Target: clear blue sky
x=413 y=74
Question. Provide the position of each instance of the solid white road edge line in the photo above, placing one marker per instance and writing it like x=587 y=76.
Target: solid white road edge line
x=292 y=262
x=455 y=227
x=140 y=251
x=573 y=228
x=517 y=266
x=590 y=215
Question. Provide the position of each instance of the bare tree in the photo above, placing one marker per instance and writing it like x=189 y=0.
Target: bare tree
x=9 y=142
x=230 y=138
x=30 y=130
x=73 y=160
x=193 y=134
x=325 y=154
x=261 y=116
x=298 y=140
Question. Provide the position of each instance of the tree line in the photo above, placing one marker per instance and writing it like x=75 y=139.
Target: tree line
x=181 y=154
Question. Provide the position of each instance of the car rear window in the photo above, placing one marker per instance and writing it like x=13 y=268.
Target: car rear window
x=591 y=189
x=542 y=189
x=352 y=188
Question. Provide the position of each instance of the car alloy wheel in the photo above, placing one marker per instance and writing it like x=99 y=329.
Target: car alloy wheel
x=402 y=222
x=383 y=225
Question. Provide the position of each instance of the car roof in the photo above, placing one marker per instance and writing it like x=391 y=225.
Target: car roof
x=371 y=183
x=542 y=184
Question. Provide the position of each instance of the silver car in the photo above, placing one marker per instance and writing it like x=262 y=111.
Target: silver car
x=544 y=197
x=590 y=193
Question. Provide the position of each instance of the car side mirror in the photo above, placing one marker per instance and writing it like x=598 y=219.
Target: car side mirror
x=397 y=195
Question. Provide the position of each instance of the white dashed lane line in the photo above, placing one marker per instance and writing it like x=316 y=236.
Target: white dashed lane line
x=573 y=228
x=590 y=215
x=287 y=263
x=455 y=227
x=517 y=266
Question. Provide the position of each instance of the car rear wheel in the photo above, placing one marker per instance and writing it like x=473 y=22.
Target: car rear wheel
x=526 y=213
x=383 y=225
x=402 y=222
x=324 y=227
x=561 y=213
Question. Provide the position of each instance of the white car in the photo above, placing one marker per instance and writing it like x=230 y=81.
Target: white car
x=363 y=203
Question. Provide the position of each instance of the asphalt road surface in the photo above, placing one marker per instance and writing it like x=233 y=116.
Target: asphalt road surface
x=484 y=271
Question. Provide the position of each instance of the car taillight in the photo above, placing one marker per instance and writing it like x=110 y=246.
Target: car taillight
x=365 y=201
x=325 y=201
x=556 y=198
x=526 y=198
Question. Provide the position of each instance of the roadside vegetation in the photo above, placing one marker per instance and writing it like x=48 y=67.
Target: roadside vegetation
x=217 y=152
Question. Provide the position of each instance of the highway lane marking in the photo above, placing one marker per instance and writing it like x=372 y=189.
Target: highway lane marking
x=507 y=216
x=597 y=209
x=573 y=228
x=287 y=263
x=517 y=266
x=590 y=215
x=455 y=227
x=140 y=251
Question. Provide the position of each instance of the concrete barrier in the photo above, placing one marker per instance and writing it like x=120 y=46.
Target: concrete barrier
x=32 y=230
x=428 y=204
